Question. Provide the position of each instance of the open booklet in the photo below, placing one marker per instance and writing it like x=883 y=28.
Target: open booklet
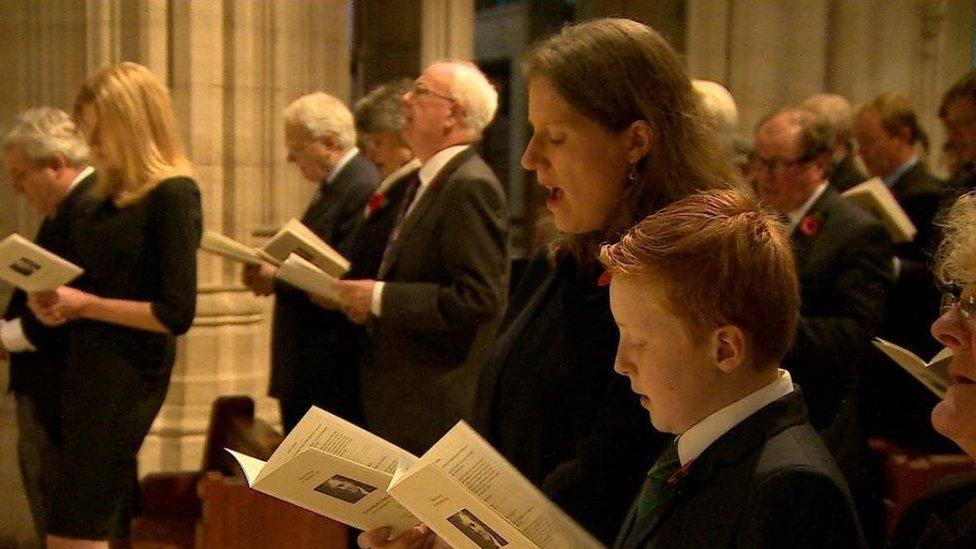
x=32 y=268
x=462 y=488
x=874 y=196
x=934 y=374
x=293 y=238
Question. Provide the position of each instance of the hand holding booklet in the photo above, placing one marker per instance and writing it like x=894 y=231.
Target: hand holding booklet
x=461 y=488
x=32 y=268
x=934 y=374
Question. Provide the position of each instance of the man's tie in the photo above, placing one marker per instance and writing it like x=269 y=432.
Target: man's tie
x=408 y=197
x=659 y=487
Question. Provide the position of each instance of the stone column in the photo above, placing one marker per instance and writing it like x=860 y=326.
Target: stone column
x=447 y=30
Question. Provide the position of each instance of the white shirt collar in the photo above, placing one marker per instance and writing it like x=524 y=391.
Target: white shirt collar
x=796 y=215
x=341 y=164
x=80 y=177
x=436 y=163
x=696 y=440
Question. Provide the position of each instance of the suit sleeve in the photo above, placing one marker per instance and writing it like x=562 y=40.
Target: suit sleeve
x=828 y=348
x=178 y=222
x=799 y=508
x=472 y=243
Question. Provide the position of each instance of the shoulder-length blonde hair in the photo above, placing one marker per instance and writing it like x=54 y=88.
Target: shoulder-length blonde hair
x=134 y=111
x=615 y=72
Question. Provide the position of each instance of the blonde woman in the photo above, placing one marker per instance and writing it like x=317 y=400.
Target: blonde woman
x=137 y=243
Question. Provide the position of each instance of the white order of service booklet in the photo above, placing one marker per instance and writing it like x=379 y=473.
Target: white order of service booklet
x=462 y=488
x=32 y=268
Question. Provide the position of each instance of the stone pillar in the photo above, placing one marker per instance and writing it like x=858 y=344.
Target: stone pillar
x=447 y=30
x=235 y=66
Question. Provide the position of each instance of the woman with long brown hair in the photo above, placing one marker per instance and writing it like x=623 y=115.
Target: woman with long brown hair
x=618 y=133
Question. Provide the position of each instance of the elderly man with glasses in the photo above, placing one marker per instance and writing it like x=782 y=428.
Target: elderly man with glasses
x=844 y=262
x=440 y=290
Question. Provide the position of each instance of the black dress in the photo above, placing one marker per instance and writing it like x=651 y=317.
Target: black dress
x=549 y=400
x=116 y=377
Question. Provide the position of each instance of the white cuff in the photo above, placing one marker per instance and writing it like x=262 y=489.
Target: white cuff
x=376 y=304
x=13 y=337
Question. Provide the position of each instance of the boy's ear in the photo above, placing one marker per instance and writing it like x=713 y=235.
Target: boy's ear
x=728 y=348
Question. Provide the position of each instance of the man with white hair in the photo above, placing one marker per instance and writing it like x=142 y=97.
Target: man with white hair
x=846 y=169
x=433 y=311
x=320 y=138
x=46 y=158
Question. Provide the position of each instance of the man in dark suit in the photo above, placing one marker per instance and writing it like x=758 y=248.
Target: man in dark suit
x=888 y=136
x=845 y=169
x=441 y=286
x=843 y=258
x=705 y=295
x=320 y=137
x=46 y=158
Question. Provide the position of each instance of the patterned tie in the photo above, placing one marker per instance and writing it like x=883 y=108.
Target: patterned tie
x=661 y=483
x=408 y=197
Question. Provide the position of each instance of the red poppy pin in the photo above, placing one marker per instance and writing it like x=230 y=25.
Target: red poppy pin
x=809 y=225
x=376 y=202
x=604 y=279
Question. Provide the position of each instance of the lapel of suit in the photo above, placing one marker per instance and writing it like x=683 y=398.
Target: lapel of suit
x=728 y=450
x=805 y=236
x=423 y=205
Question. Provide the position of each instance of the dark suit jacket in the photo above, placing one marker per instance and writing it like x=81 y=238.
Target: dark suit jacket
x=915 y=300
x=943 y=517
x=768 y=482
x=899 y=406
x=302 y=362
x=444 y=293
x=37 y=373
x=845 y=272
x=846 y=173
x=364 y=250
x=549 y=400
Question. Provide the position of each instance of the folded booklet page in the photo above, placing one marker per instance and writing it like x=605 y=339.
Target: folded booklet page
x=225 y=246
x=462 y=488
x=874 y=196
x=304 y=275
x=296 y=238
x=934 y=374
x=331 y=467
x=467 y=493
x=32 y=268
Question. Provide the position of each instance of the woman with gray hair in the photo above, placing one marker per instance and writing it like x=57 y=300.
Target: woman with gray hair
x=945 y=515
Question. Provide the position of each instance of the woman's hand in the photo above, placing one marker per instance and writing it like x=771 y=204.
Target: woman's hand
x=418 y=537
x=56 y=307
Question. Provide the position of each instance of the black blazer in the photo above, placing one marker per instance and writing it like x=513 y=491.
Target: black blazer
x=898 y=406
x=768 y=482
x=36 y=373
x=303 y=365
x=443 y=297
x=549 y=400
x=844 y=265
x=915 y=299
x=943 y=517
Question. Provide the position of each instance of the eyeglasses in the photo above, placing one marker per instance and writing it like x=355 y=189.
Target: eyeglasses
x=778 y=166
x=420 y=89
x=967 y=305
